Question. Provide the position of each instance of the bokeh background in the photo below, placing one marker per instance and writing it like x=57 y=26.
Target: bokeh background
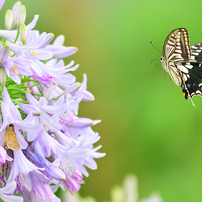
x=147 y=127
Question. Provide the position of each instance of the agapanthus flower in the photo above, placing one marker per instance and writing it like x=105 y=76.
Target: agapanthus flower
x=44 y=144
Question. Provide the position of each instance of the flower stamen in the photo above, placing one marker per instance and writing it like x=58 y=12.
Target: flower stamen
x=33 y=53
x=14 y=69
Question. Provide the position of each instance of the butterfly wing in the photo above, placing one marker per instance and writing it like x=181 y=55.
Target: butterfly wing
x=196 y=52
x=176 y=49
x=176 y=46
x=174 y=73
x=192 y=74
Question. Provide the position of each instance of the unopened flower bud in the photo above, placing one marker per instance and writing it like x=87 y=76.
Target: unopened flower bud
x=15 y=11
x=23 y=33
x=8 y=19
x=4 y=55
x=21 y=15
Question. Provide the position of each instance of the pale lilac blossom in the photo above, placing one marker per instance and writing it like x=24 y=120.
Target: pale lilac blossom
x=13 y=67
x=48 y=114
x=73 y=182
x=60 y=51
x=3 y=156
x=11 y=115
x=1 y=3
x=6 y=193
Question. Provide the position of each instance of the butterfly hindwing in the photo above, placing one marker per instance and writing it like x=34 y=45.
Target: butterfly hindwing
x=196 y=52
x=192 y=76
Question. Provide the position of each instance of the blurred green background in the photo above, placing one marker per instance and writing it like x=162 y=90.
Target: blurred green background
x=147 y=127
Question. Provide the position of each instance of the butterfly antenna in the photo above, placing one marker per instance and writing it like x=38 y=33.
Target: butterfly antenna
x=156 y=48
x=153 y=64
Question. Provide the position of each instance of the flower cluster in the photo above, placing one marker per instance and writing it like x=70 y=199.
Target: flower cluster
x=43 y=143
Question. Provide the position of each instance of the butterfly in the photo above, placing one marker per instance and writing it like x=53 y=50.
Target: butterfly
x=183 y=62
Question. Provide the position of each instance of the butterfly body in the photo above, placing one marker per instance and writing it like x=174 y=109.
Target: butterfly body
x=182 y=62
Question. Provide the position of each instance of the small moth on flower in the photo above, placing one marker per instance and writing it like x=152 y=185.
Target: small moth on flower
x=10 y=140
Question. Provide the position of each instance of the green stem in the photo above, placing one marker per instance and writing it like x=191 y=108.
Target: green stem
x=17 y=37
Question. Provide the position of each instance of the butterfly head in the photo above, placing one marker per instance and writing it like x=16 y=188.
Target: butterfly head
x=164 y=63
x=162 y=60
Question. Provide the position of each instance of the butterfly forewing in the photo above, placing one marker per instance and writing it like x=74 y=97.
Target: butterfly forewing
x=176 y=47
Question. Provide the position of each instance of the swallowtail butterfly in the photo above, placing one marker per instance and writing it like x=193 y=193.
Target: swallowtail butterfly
x=182 y=62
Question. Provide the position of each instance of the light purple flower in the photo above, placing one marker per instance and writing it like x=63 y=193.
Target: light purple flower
x=73 y=182
x=21 y=166
x=13 y=67
x=81 y=126
x=34 y=52
x=41 y=188
x=60 y=51
x=1 y=3
x=3 y=156
x=51 y=169
x=46 y=145
x=80 y=153
x=59 y=71
x=5 y=193
x=11 y=115
x=48 y=114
